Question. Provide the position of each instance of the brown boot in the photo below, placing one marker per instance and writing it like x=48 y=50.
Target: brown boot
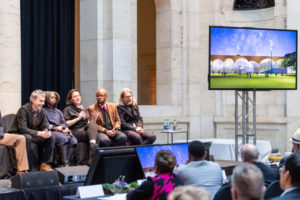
x=45 y=167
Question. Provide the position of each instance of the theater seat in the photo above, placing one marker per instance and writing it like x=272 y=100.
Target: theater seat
x=273 y=190
x=223 y=193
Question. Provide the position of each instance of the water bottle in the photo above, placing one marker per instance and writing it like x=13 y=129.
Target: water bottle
x=165 y=124
x=174 y=125
x=168 y=124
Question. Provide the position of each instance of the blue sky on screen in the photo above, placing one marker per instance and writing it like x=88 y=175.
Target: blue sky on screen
x=147 y=154
x=251 y=42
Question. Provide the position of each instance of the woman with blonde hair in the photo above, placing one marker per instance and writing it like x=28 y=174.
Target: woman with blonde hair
x=131 y=120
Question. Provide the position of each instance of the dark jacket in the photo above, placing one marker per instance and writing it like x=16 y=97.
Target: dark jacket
x=269 y=174
x=292 y=195
x=129 y=117
x=1 y=128
x=23 y=122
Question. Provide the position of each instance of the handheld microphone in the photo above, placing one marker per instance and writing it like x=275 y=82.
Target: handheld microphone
x=117 y=128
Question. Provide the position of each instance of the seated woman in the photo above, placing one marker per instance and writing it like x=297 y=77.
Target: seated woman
x=160 y=186
x=131 y=120
x=64 y=140
x=77 y=120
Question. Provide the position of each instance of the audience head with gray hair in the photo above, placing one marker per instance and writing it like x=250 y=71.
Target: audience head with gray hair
x=247 y=183
x=189 y=192
x=37 y=100
x=249 y=153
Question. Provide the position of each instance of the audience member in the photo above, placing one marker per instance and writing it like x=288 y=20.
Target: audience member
x=249 y=153
x=131 y=120
x=160 y=186
x=31 y=121
x=247 y=183
x=296 y=146
x=189 y=192
x=64 y=140
x=107 y=120
x=200 y=172
x=19 y=143
x=290 y=178
x=77 y=120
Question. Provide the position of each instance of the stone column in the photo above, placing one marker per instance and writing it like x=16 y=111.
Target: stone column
x=108 y=53
x=292 y=97
x=10 y=56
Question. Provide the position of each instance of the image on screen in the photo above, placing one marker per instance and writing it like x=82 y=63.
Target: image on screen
x=146 y=154
x=252 y=58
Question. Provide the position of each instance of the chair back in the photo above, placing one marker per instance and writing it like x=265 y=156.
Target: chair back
x=273 y=190
x=8 y=121
x=223 y=193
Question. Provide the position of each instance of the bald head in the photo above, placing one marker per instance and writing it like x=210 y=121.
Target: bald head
x=249 y=153
x=101 y=96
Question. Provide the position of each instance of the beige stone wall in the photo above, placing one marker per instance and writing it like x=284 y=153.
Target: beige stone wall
x=10 y=56
x=108 y=59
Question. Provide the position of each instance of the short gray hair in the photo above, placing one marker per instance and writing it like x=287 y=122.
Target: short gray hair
x=248 y=181
x=36 y=93
x=189 y=192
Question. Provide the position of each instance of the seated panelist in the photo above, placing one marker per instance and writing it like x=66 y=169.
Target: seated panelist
x=19 y=143
x=77 y=120
x=64 y=140
x=107 y=120
x=31 y=121
x=131 y=120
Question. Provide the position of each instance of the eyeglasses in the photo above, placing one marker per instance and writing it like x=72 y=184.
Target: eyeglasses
x=129 y=96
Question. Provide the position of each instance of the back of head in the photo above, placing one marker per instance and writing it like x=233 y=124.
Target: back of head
x=189 y=192
x=196 y=149
x=165 y=162
x=292 y=165
x=249 y=153
x=248 y=182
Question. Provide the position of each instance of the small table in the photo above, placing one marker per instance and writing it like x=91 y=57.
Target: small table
x=170 y=131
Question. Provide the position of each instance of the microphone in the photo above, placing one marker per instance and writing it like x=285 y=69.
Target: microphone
x=81 y=107
x=117 y=128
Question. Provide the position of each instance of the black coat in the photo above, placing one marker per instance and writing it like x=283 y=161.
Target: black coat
x=129 y=117
x=23 y=122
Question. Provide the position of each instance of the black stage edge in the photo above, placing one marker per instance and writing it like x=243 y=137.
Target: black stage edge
x=42 y=193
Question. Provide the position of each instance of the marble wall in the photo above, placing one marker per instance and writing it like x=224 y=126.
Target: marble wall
x=10 y=56
x=108 y=59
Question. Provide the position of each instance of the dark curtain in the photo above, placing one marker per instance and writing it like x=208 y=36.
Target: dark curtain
x=47 y=46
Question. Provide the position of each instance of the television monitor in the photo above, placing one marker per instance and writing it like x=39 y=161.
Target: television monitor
x=252 y=59
x=146 y=154
x=110 y=163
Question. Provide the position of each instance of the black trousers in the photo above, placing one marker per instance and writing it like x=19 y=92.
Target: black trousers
x=86 y=133
x=45 y=149
x=140 y=139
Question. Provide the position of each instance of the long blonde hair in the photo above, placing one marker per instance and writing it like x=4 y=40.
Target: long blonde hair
x=120 y=101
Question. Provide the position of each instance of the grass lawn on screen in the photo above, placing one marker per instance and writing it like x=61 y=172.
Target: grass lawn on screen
x=217 y=81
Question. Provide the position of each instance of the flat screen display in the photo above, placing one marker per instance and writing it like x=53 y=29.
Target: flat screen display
x=146 y=155
x=252 y=59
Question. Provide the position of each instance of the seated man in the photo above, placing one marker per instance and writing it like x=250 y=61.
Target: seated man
x=290 y=178
x=31 y=121
x=17 y=141
x=247 y=183
x=107 y=120
x=200 y=172
x=131 y=120
x=249 y=153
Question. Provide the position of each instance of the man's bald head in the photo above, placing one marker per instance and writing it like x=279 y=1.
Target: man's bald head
x=249 y=153
x=101 y=96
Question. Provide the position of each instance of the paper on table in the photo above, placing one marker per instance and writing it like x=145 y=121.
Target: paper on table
x=114 y=197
